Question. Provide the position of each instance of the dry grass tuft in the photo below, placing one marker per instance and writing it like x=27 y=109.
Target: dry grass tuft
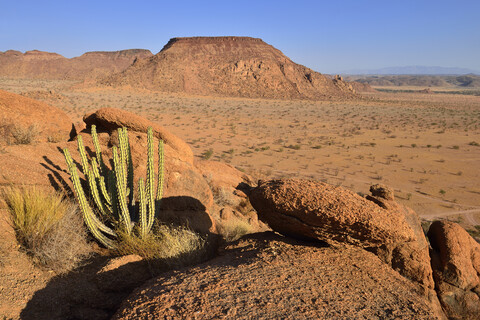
x=48 y=227
x=234 y=228
x=22 y=135
x=171 y=243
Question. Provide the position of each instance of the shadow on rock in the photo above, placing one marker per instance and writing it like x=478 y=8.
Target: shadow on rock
x=56 y=179
x=188 y=212
x=95 y=290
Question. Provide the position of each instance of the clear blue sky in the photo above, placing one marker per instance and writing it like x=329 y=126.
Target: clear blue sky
x=327 y=36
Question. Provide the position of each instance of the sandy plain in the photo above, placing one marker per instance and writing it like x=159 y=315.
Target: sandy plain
x=425 y=146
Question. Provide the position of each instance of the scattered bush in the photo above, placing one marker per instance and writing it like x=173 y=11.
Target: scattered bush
x=48 y=227
x=22 y=135
x=55 y=138
x=164 y=242
x=294 y=147
x=207 y=154
x=11 y=133
x=234 y=228
x=223 y=197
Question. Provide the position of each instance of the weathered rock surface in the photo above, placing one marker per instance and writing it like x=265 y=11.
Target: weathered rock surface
x=268 y=276
x=232 y=209
x=111 y=118
x=24 y=116
x=411 y=259
x=228 y=66
x=315 y=210
x=456 y=269
x=228 y=184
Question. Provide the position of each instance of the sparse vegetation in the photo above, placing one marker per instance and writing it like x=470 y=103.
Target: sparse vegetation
x=164 y=242
x=49 y=228
x=18 y=134
x=475 y=233
x=235 y=228
x=294 y=147
x=207 y=154
x=112 y=191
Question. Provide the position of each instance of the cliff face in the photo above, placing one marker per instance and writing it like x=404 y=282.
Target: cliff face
x=46 y=65
x=227 y=66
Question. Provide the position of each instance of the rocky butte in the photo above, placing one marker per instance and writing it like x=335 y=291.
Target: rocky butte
x=228 y=66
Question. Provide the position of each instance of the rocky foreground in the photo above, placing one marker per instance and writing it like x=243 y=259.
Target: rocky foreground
x=335 y=254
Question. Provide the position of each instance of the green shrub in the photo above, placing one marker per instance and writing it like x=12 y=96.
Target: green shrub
x=49 y=228
x=207 y=154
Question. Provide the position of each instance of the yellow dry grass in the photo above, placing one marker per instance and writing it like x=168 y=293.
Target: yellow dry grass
x=164 y=242
x=48 y=227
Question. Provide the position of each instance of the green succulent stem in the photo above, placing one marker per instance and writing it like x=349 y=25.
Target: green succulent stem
x=111 y=203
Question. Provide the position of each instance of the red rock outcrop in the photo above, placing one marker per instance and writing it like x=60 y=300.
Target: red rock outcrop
x=224 y=179
x=111 y=118
x=232 y=210
x=266 y=276
x=411 y=259
x=24 y=116
x=227 y=66
x=456 y=269
x=315 y=210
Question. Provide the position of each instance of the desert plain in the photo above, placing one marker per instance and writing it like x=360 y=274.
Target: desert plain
x=426 y=146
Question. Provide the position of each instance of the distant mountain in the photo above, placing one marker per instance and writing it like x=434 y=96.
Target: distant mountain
x=47 y=65
x=228 y=66
x=425 y=80
x=435 y=70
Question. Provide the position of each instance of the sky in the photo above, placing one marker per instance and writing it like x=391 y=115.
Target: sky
x=327 y=36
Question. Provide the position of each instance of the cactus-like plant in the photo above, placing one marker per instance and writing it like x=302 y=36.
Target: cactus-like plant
x=111 y=203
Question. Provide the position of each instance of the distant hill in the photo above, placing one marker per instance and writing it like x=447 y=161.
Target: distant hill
x=464 y=81
x=46 y=65
x=413 y=70
x=227 y=66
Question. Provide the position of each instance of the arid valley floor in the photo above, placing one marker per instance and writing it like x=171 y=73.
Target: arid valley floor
x=426 y=146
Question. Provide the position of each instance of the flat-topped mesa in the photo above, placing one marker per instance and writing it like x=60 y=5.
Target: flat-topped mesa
x=42 y=55
x=227 y=66
x=211 y=40
x=214 y=39
x=138 y=53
